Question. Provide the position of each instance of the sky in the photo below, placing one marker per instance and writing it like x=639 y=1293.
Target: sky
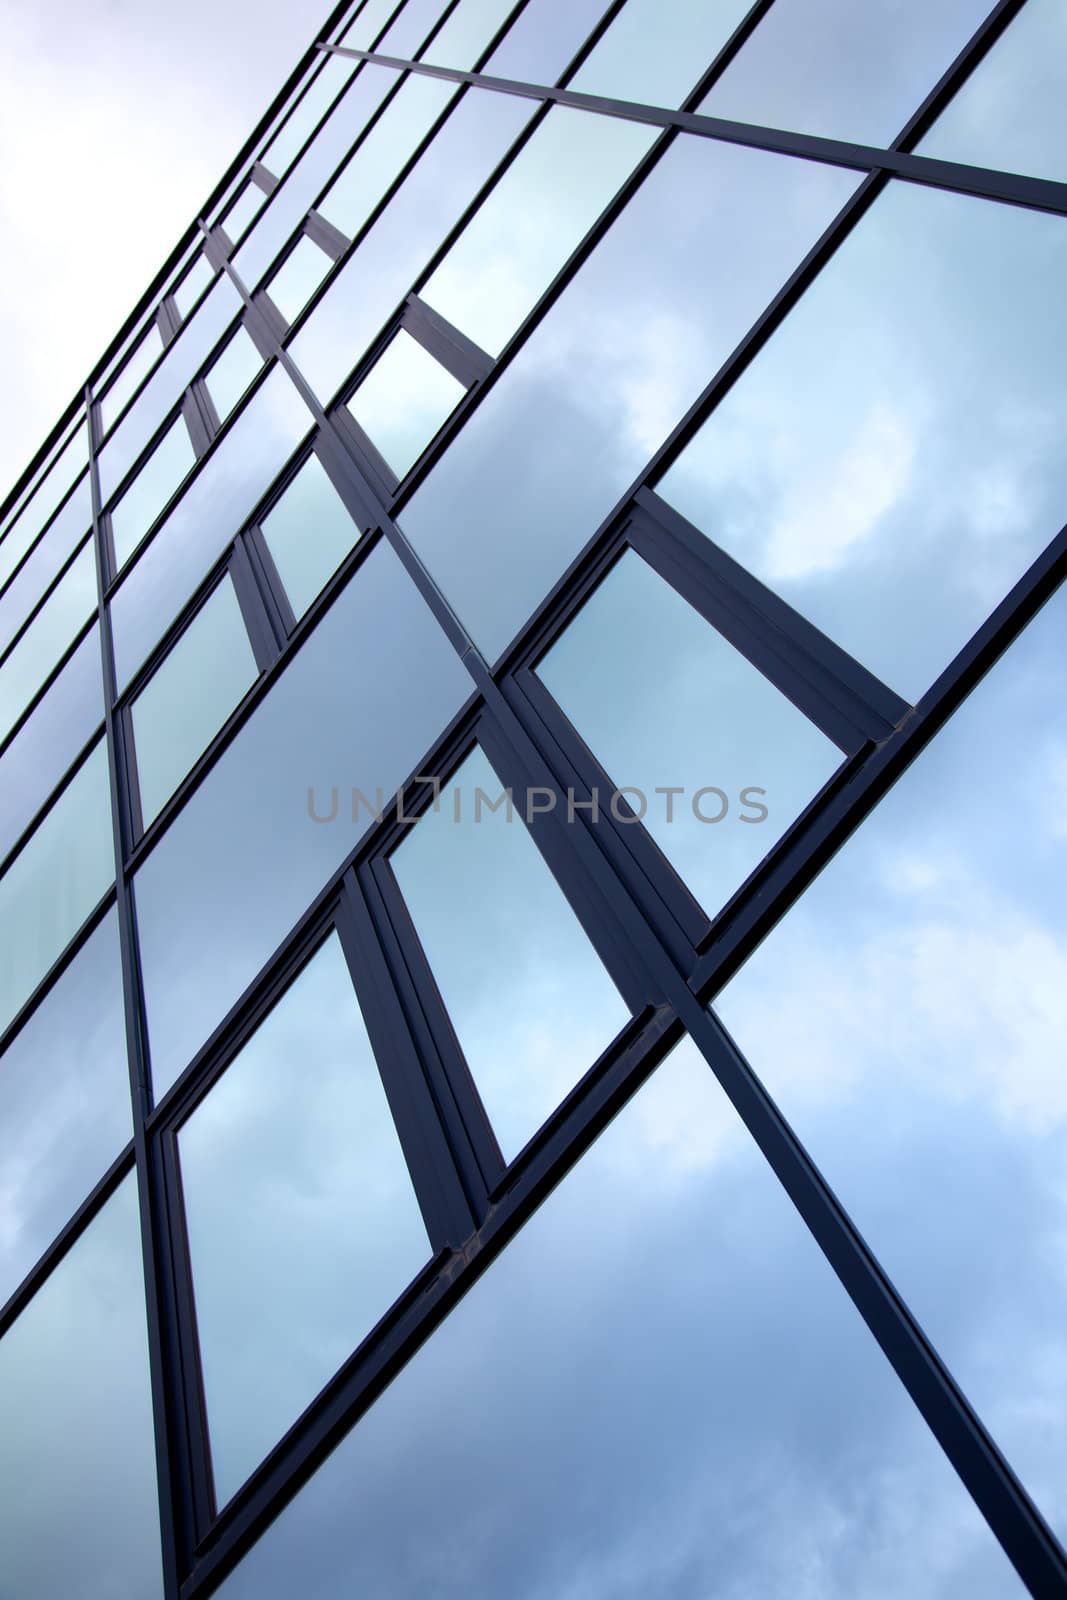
x=100 y=99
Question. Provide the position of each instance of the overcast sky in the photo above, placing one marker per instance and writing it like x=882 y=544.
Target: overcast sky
x=112 y=109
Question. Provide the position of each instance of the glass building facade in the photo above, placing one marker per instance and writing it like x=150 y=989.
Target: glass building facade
x=533 y=777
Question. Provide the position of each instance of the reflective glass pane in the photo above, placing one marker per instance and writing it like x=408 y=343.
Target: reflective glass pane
x=544 y=39
x=68 y=608
x=64 y=1103
x=184 y=358
x=402 y=125
x=33 y=577
x=212 y=510
x=659 y=1388
x=324 y=88
x=846 y=71
x=49 y=740
x=290 y=203
x=189 y=697
x=170 y=462
x=193 y=285
x=655 y=54
x=595 y=390
x=663 y=701
x=308 y=533
x=1012 y=112
x=381 y=272
x=297 y=1197
x=39 y=506
x=298 y=277
x=260 y=837
x=467 y=33
x=79 y=1513
x=408 y=32
x=136 y=369
x=890 y=461
x=403 y=401
x=233 y=372
x=364 y=29
x=909 y=1016
x=538 y=213
x=59 y=875
x=538 y=1008
x=249 y=204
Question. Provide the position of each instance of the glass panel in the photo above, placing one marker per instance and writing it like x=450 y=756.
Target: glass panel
x=184 y=358
x=68 y=608
x=32 y=579
x=541 y=209
x=598 y=386
x=233 y=373
x=218 y=501
x=289 y=204
x=189 y=697
x=64 y=1103
x=656 y=55
x=467 y=33
x=890 y=461
x=537 y=1009
x=1012 y=112
x=402 y=125
x=57 y=878
x=365 y=28
x=299 y=276
x=663 y=701
x=544 y=40
x=36 y=510
x=846 y=71
x=248 y=205
x=409 y=30
x=48 y=741
x=79 y=1514
x=323 y=89
x=403 y=401
x=381 y=272
x=909 y=1015
x=193 y=285
x=309 y=533
x=170 y=462
x=297 y=1197
x=136 y=369
x=659 y=1388
x=209 y=914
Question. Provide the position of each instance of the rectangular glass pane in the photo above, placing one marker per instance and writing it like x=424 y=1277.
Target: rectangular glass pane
x=290 y=203
x=64 y=1103
x=402 y=125
x=213 y=509
x=365 y=27
x=190 y=696
x=248 y=205
x=61 y=537
x=298 y=277
x=193 y=285
x=403 y=401
x=467 y=33
x=665 y=703
x=68 y=608
x=909 y=1016
x=544 y=39
x=660 y=1388
x=429 y=202
x=58 y=876
x=1012 y=112
x=297 y=1197
x=629 y=345
x=323 y=88
x=134 y=372
x=409 y=31
x=233 y=372
x=541 y=209
x=655 y=54
x=308 y=532
x=49 y=740
x=170 y=462
x=843 y=70
x=37 y=509
x=890 y=462
x=246 y=855
x=536 y=1009
x=79 y=1514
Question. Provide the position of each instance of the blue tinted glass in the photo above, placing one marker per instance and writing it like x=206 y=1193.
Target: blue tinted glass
x=298 y=277
x=404 y=400
x=39 y=506
x=233 y=372
x=322 y=90
x=544 y=39
x=661 y=1389
x=308 y=532
x=249 y=204
x=171 y=460
x=655 y=54
x=613 y=367
x=33 y=578
x=32 y=658
x=467 y=33
x=408 y=32
x=193 y=285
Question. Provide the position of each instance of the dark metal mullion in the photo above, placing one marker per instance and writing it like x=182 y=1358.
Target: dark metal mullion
x=134 y=811
x=263 y=635
x=330 y=240
x=272 y=594
x=200 y=417
x=973 y=52
x=467 y=362
x=446 y=1208
x=263 y=178
x=169 y=322
x=372 y=464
